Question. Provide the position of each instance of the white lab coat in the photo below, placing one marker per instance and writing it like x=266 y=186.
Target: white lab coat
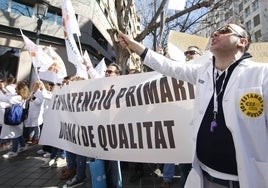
x=9 y=131
x=250 y=134
x=36 y=110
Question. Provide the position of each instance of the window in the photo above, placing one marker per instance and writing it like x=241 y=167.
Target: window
x=9 y=59
x=256 y=20
x=258 y=36
x=241 y=7
x=247 y=11
x=26 y=8
x=99 y=38
x=21 y=9
x=3 y=4
x=248 y=25
x=255 y=5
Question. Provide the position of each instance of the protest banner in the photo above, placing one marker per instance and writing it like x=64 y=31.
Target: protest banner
x=141 y=117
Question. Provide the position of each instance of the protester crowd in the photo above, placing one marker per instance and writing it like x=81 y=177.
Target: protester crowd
x=229 y=47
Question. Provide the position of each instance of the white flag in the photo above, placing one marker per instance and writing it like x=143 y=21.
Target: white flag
x=176 y=4
x=69 y=20
x=101 y=68
x=87 y=59
x=71 y=27
x=38 y=56
x=57 y=71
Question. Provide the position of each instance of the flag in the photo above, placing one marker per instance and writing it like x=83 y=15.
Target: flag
x=70 y=26
x=57 y=71
x=87 y=59
x=39 y=58
x=101 y=68
x=91 y=71
x=176 y=4
x=69 y=20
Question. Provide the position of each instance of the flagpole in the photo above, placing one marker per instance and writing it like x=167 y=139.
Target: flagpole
x=80 y=47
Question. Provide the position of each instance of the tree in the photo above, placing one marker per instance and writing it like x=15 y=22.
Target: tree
x=183 y=20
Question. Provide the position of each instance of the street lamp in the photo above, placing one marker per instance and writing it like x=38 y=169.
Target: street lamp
x=40 y=8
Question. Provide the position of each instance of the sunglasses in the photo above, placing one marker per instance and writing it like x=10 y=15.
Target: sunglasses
x=190 y=52
x=228 y=29
x=109 y=71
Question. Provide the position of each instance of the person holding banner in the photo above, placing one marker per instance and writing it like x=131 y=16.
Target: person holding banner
x=112 y=168
x=230 y=114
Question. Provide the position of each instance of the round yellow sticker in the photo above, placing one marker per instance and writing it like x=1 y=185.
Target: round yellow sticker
x=252 y=105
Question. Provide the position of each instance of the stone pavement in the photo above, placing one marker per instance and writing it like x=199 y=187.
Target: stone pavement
x=23 y=171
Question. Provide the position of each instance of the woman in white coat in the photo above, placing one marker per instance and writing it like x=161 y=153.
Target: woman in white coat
x=15 y=133
x=35 y=113
x=230 y=114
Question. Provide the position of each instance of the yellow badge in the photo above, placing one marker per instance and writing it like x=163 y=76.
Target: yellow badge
x=252 y=105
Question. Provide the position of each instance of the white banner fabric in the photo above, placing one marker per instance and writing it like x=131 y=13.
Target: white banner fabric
x=140 y=117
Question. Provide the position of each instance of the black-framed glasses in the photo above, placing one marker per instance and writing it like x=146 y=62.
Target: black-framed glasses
x=191 y=52
x=228 y=29
x=109 y=71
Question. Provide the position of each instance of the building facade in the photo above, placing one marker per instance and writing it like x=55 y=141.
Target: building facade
x=251 y=13
x=94 y=21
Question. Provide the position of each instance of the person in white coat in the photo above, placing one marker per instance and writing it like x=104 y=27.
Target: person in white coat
x=15 y=133
x=35 y=113
x=231 y=110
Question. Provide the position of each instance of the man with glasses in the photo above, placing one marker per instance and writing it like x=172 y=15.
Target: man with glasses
x=113 y=70
x=230 y=114
x=192 y=52
x=112 y=168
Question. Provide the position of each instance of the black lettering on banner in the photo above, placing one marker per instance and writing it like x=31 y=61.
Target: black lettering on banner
x=107 y=101
x=159 y=136
x=79 y=101
x=78 y=137
x=74 y=133
x=54 y=102
x=130 y=98
x=84 y=136
x=165 y=90
x=139 y=98
x=140 y=138
x=120 y=95
x=102 y=97
x=86 y=101
x=148 y=126
x=133 y=145
x=102 y=137
x=169 y=124
x=150 y=93
x=122 y=134
x=179 y=89
x=74 y=95
x=93 y=104
x=69 y=103
x=112 y=136
x=91 y=136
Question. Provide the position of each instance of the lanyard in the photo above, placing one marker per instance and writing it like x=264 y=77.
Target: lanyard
x=216 y=77
x=227 y=73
